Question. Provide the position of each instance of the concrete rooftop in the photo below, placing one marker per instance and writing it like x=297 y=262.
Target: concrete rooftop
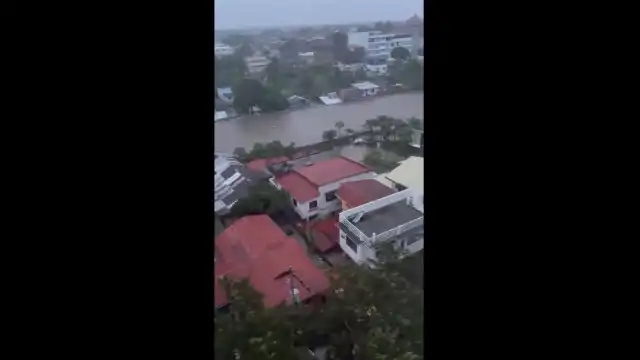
x=383 y=219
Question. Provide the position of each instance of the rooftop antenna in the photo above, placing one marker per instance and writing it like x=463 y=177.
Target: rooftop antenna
x=295 y=298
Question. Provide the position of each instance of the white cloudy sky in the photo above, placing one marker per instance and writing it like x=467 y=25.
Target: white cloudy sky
x=231 y=14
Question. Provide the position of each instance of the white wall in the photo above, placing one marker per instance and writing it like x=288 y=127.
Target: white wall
x=365 y=254
x=325 y=207
x=358 y=38
x=347 y=250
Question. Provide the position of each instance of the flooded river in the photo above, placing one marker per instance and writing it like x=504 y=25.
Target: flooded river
x=306 y=126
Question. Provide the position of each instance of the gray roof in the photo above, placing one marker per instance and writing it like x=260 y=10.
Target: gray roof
x=232 y=182
x=383 y=219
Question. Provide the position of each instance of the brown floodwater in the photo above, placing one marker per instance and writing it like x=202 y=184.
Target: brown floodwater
x=306 y=126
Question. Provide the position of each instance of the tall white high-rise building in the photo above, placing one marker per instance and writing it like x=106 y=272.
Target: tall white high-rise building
x=378 y=45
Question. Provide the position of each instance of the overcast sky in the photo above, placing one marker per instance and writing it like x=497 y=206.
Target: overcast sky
x=233 y=14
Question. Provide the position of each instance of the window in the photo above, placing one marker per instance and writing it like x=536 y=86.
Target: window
x=414 y=239
x=313 y=204
x=351 y=244
x=400 y=187
x=330 y=196
x=295 y=203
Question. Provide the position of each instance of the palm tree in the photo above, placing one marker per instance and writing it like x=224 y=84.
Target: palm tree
x=415 y=123
x=339 y=126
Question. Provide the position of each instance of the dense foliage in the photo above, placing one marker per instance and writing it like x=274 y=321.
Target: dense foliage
x=368 y=314
x=262 y=199
x=265 y=151
x=400 y=53
x=409 y=73
x=251 y=93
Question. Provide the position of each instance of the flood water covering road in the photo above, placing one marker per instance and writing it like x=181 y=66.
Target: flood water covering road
x=306 y=126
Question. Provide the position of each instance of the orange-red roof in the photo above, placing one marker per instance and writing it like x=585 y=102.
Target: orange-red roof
x=298 y=187
x=356 y=193
x=254 y=247
x=302 y=183
x=325 y=237
x=331 y=170
x=261 y=164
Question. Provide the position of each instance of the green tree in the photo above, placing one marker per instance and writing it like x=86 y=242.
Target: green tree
x=249 y=331
x=374 y=314
x=273 y=100
x=339 y=125
x=237 y=39
x=360 y=75
x=329 y=135
x=340 y=45
x=244 y=50
x=320 y=86
x=369 y=314
x=241 y=153
x=400 y=53
x=262 y=199
x=248 y=93
x=350 y=131
x=404 y=134
x=385 y=27
x=376 y=160
x=415 y=123
x=355 y=55
x=273 y=72
x=229 y=71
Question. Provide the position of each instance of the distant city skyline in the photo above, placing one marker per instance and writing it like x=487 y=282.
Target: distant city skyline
x=239 y=14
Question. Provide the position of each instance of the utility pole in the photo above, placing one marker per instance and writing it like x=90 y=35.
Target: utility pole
x=294 y=295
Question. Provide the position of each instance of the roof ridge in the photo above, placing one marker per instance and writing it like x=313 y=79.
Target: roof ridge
x=306 y=178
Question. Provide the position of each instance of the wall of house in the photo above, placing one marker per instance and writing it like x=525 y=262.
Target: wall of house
x=325 y=207
x=355 y=256
x=371 y=92
x=365 y=254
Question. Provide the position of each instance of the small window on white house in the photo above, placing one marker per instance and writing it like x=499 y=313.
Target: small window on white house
x=295 y=203
x=351 y=244
x=330 y=196
x=313 y=204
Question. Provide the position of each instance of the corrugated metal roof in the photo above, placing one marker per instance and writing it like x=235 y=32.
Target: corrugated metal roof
x=409 y=173
x=255 y=248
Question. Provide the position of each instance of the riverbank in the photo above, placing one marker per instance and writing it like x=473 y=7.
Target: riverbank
x=315 y=104
x=305 y=126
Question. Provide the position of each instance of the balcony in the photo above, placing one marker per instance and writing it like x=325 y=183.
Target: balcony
x=382 y=219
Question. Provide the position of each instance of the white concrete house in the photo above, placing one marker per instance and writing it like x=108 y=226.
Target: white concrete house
x=312 y=188
x=378 y=45
x=225 y=94
x=409 y=174
x=256 y=64
x=221 y=50
x=397 y=218
x=366 y=88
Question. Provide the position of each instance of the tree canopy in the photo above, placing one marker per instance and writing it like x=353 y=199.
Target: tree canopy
x=329 y=135
x=368 y=314
x=265 y=151
x=251 y=92
x=400 y=53
x=262 y=199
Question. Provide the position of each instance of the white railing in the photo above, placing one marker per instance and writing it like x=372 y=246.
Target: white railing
x=379 y=203
x=361 y=236
x=397 y=230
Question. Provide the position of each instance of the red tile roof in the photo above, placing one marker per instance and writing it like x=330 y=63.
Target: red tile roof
x=356 y=193
x=302 y=183
x=298 y=187
x=261 y=164
x=325 y=236
x=254 y=247
x=332 y=170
